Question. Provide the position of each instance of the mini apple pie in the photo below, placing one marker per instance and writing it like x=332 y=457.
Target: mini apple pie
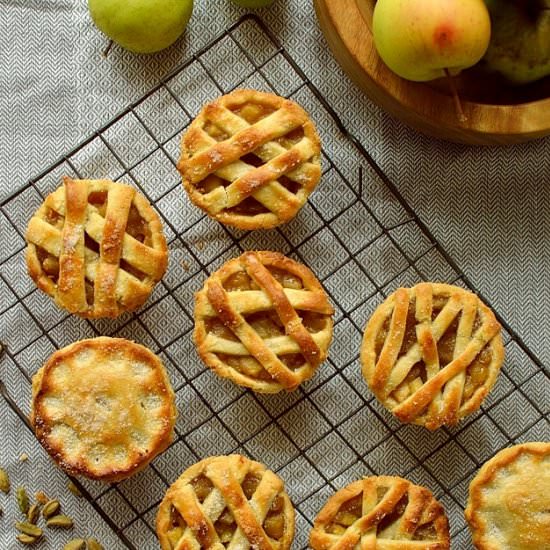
x=264 y=321
x=250 y=159
x=431 y=353
x=381 y=512
x=103 y=408
x=226 y=502
x=509 y=504
x=96 y=247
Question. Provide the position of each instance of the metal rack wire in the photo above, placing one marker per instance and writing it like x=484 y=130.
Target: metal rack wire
x=357 y=234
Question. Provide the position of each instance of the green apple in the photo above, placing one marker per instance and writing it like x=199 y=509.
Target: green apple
x=421 y=39
x=253 y=3
x=141 y=26
x=520 y=39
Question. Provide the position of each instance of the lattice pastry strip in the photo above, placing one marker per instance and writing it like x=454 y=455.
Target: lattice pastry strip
x=432 y=353
x=96 y=247
x=275 y=134
x=381 y=513
x=226 y=502
x=264 y=321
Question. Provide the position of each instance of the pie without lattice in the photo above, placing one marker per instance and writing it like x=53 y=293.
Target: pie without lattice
x=431 y=353
x=264 y=321
x=250 y=159
x=103 y=408
x=381 y=513
x=96 y=247
x=509 y=504
x=226 y=502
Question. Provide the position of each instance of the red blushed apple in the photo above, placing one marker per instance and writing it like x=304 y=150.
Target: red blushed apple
x=419 y=39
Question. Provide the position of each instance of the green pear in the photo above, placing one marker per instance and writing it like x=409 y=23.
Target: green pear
x=142 y=26
x=520 y=39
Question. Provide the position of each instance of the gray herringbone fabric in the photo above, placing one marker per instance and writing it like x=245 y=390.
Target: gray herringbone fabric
x=488 y=207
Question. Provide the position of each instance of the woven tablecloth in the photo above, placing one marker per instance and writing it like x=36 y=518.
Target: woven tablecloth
x=489 y=207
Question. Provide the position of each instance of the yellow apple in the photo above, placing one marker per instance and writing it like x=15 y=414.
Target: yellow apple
x=141 y=26
x=419 y=39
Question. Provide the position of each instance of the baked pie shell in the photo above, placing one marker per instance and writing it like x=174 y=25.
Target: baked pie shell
x=230 y=268
x=537 y=526
x=138 y=291
x=371 y=370
x=424 y=502
x=282 y=211
x=104 y=348
x=163 y=522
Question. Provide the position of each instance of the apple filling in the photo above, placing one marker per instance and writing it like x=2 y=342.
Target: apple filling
x=136 y=226
x=266 y=323
x=352 y=510
x=476 y=373
x=251 y=113
x=225 y=525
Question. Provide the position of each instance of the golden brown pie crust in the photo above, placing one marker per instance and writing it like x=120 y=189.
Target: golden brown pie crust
x=250 y=159
x=432 y=353
x=509 y=503
x=226 y=502
x=96 y=247
x=103 y=408
x=381 y=512
x=263 y=321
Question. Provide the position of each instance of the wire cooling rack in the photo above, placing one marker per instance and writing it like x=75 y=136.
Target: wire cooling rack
x=356 y=233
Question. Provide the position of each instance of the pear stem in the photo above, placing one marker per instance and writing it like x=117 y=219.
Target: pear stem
x=456 y=98
x=108 y=48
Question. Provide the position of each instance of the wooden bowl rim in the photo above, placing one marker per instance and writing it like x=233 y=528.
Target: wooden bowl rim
x=535 y=115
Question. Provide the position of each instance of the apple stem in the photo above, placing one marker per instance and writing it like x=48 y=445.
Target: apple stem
x=108 y=48
x=458 y=105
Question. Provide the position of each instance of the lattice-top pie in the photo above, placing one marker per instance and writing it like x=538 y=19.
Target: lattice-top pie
x=96 y=247
x=226 y=502
x=431 y=353
x=103 y=408
x=509 y=504
x=264 y=321
x=381 y=513
x=250 y=159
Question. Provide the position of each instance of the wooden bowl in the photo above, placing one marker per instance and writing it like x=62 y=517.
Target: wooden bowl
x=496 y=113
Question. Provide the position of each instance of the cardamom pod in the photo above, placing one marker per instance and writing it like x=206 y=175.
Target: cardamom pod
x=50 y=508
x=33 y=513
x=74 y=489
x=29 y=529
x=26 y=539
x=75 y=544
x=60 y=520
x=94 y=545
x=23 y=500
x=41 y=497
x=4 y=481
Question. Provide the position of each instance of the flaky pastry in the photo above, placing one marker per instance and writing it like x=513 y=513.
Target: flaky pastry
x=431 y=353
x=226 y=502
x=381 y=513
x=264 y=321
x=250 y=159
x=509 y=503
x=96 y=247
x=103 y=408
